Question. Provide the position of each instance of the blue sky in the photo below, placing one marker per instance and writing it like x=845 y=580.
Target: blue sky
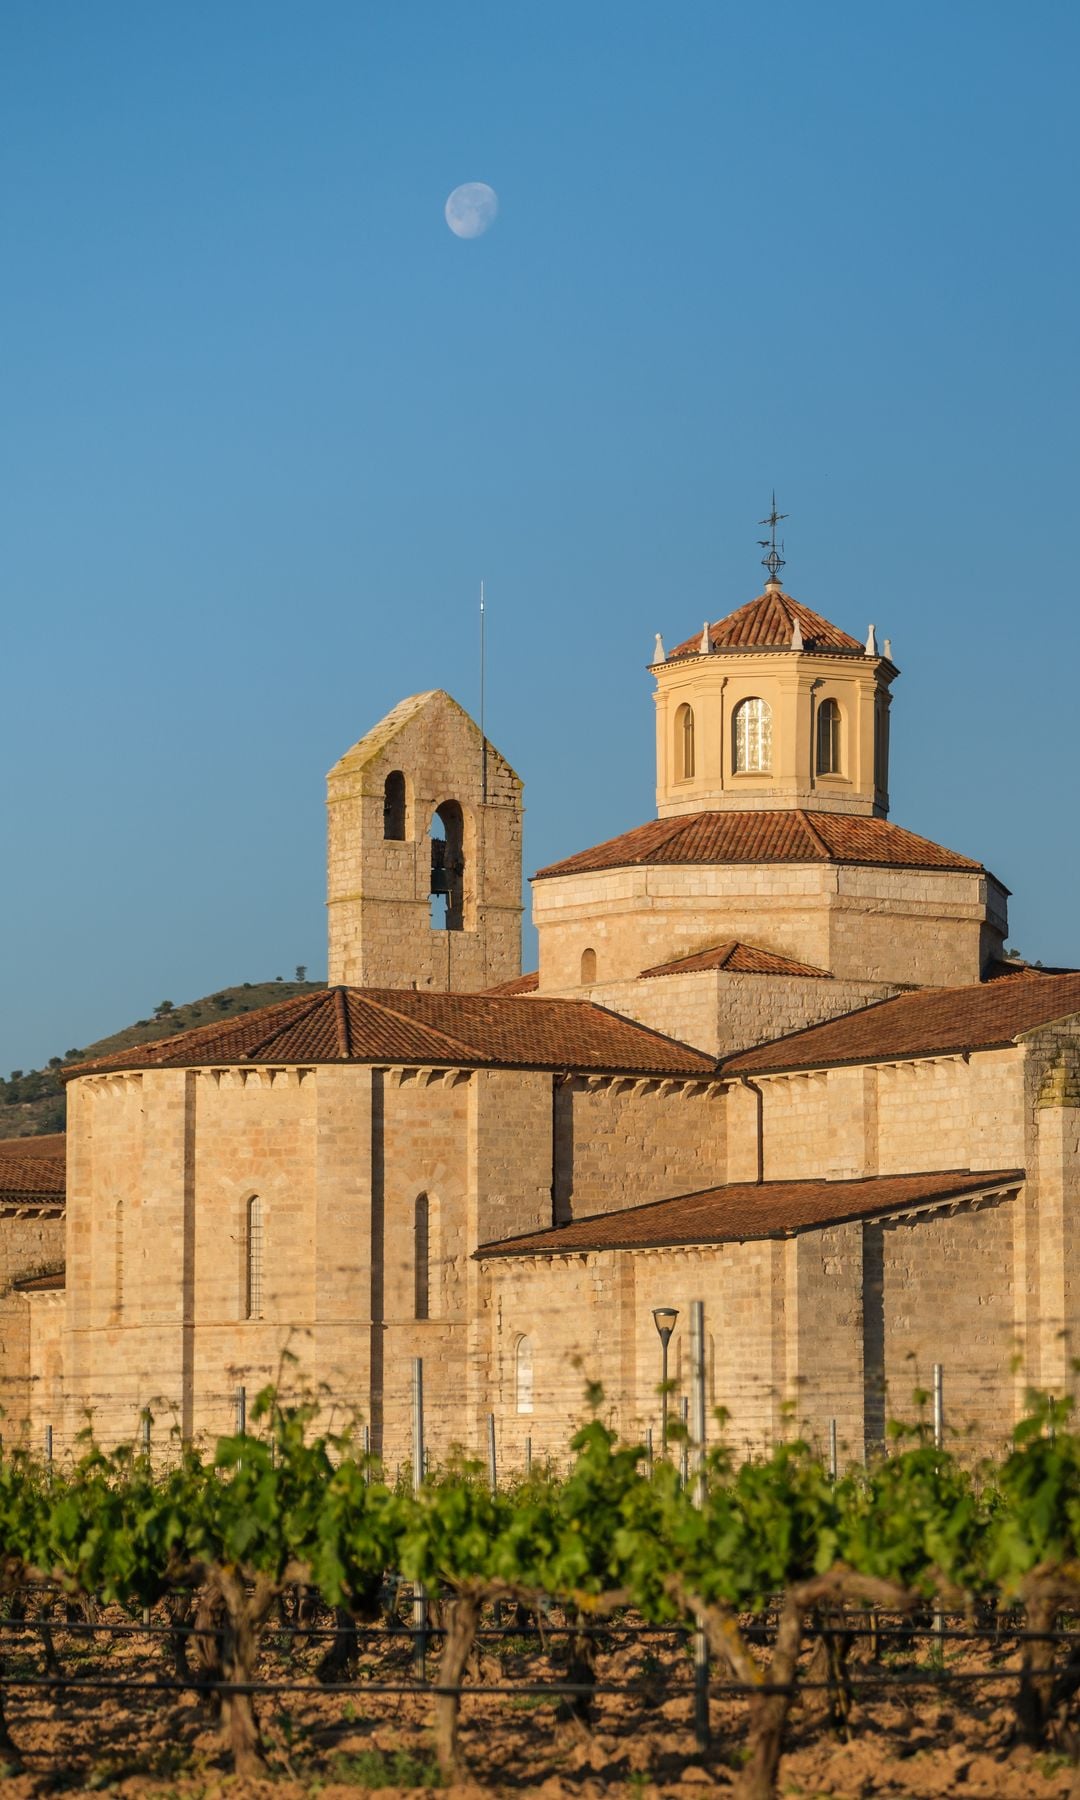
x=265 y=424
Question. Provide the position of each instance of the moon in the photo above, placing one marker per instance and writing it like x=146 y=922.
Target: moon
x=471 y=209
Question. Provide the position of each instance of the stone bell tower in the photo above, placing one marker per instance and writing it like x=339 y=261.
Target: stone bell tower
x=424 y=854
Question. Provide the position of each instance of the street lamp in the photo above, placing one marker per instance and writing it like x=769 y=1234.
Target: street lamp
x=664 y=1318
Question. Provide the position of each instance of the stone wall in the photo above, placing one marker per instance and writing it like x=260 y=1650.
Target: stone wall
x=721 y=1013
x=622 y=1142
x=897 y=926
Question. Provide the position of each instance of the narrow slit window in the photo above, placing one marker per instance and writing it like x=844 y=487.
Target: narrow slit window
x=422 y=1258
x=523 y=1375
x=684 y=743
x=253 y=1298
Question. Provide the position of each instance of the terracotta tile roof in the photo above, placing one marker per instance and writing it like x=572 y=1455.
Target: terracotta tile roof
x=928 y=1022
x=768 y=623
x=1002 y=968
x=742 y=1210
x=398 y=1025
x=50 y=1144
x=519 y=984
x=29 y=1178
x=789 y=836
x=52 y=1282
x=736 y=959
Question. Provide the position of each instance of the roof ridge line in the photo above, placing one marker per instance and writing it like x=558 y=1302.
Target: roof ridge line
x=815 y=835
x=406 y=1018
x=314 y=1001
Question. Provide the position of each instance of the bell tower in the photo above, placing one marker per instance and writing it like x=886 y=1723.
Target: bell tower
x=424 y=854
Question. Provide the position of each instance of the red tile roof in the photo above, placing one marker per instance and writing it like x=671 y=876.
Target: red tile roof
x=743 y=1210
x=789 y=836
x=49 y=1144
x=398 y=1025
x=52 y=1282
x=768 y=623
x=928 y=1022
x=30 y=1176
x=518 y=984
x=736 y=959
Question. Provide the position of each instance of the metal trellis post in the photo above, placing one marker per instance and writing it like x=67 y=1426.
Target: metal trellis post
x=697 y=1395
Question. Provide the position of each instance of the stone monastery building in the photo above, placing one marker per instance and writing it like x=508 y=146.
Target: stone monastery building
x=773 y=1059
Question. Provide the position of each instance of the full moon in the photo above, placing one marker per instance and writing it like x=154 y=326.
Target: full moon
x=471 y=208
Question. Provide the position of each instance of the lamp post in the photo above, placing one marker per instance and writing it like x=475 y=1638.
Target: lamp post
x=664 y=1318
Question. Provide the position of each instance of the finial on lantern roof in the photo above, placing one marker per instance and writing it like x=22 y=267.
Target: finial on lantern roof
x=796 y=636
x=773 y=559
x=706 y=647
x=871 y=643
x=659 y=653
x=888 y=648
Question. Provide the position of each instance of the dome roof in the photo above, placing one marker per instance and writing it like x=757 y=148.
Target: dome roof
x=769 y=623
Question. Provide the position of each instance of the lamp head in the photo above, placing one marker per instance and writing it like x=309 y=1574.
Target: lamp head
x=664 y=1318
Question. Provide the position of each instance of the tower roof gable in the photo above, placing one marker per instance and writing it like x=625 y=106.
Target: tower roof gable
x=768 y=623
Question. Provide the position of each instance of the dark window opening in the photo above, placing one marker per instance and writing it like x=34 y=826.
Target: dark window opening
x=448 y=868
x=421 y=1258
x=393 y=816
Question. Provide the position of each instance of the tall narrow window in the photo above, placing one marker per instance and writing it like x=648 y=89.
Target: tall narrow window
x=393 y=815
x=523 y=1375
x=422 y=1258
x=828 y=738
x=684 y=743
x=881 y=745
x=588 y=967
x=253 y=1297
x=752 y=725
x=448 y=868
x=118 y=1260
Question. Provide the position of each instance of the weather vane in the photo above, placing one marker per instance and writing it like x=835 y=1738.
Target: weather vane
x=774 y=561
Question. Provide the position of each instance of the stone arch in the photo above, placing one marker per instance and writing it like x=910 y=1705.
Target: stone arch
x=448 y=867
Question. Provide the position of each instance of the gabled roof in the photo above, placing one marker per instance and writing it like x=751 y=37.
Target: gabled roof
x=769 y=623
x=382 y=735
x=400 y=1025
x=740 y=1211
x=788 y=836
x=736 y=959
x=929 y=1022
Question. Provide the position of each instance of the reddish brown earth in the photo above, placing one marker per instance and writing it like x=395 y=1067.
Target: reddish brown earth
x=919 y=1743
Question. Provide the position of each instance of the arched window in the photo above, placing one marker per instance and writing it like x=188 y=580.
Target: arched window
x=684 y=743
x=523 y=1375
x=828 y=738
x=393 y=806
x=753 y=737
x=448 y=868
x=588 y=967
x=253 y=1259
x=422 y=1258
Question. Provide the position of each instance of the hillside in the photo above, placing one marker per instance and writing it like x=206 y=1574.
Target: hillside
x=32 y=1100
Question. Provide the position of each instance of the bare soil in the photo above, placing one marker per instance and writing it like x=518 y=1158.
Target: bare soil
x=916 y=1742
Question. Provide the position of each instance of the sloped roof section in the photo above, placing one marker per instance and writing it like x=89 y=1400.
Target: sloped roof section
x=929 y=1022
x=788 y=836
x=736 y=959
x=32 y=1171
x=390 y=1025
x=518 y=984
x=768 y=623
x=743 y=1210
x=378 y=739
